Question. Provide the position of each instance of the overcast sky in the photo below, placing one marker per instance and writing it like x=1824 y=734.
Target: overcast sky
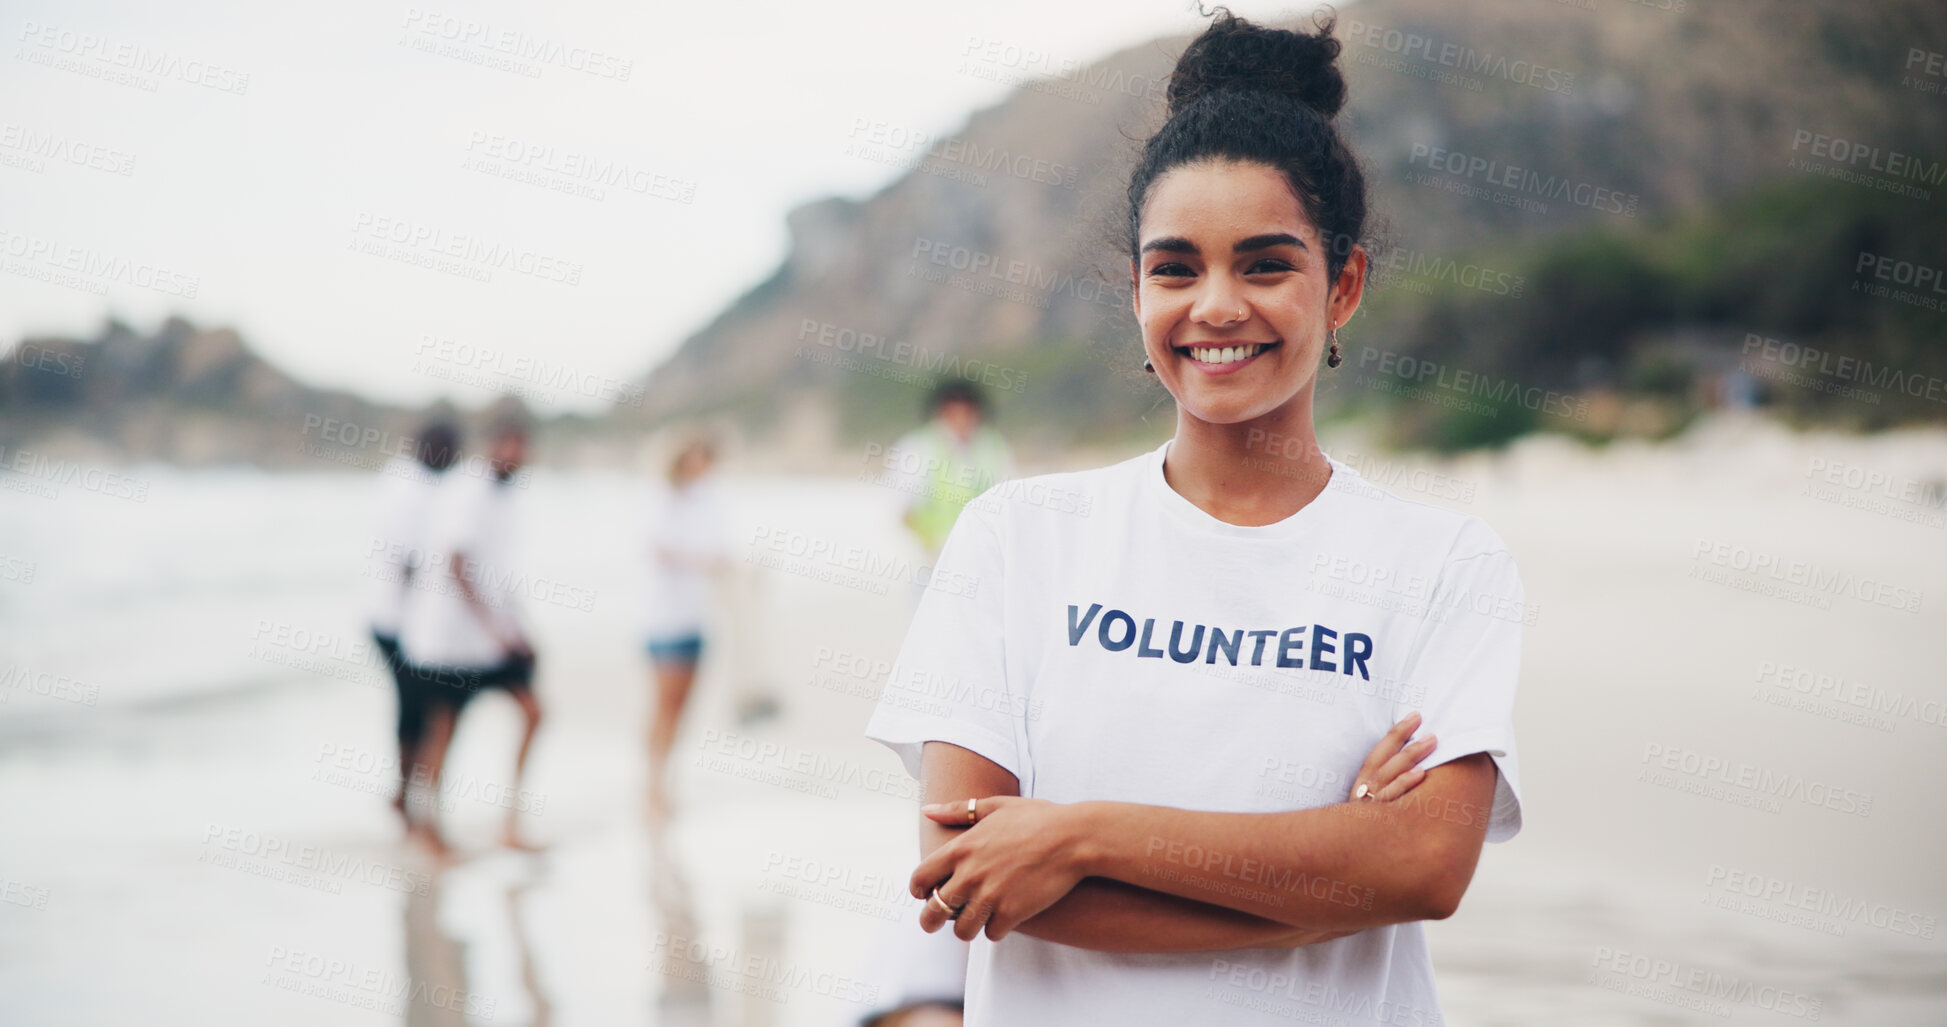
x=293 y=172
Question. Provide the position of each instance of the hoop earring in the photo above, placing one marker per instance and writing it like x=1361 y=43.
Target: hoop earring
x=1334 y=360
x=1147 y=366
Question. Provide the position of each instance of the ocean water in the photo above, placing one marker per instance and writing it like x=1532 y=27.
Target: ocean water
x=193 y=742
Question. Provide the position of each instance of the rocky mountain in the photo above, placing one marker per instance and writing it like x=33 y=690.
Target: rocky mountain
x=1488 y=129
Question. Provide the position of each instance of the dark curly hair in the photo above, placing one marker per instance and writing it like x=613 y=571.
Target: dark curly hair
x=1267 y=96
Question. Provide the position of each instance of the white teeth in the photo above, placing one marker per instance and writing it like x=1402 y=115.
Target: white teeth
x=1224 y=354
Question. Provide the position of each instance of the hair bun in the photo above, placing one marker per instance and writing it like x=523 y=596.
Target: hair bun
x=1236 y=54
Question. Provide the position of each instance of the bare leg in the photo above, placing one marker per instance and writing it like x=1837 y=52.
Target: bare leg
x=673 y=682
x=432 y=756
x=531 y=720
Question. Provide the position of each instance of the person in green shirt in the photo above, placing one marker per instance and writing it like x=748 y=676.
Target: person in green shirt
x=949 y=460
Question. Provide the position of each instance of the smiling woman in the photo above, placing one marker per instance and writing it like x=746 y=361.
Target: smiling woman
x=1104 y=834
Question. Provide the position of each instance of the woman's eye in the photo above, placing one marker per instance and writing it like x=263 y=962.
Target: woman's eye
x=1170 y=271
x=1270 y=266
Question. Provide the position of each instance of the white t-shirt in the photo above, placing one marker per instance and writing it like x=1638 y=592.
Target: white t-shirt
x=405 y=503
x=1107 y=639
x=474 y=515
x=690 y=523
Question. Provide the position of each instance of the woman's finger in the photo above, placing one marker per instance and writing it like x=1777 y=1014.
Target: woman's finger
x=972 y=918
x=1401 y=785
x=954 y=814
x=1388 y=746
x=1406 y=759
x=932 y=870
x=935 y=914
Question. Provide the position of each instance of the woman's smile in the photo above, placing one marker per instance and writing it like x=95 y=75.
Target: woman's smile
x=1220 y=358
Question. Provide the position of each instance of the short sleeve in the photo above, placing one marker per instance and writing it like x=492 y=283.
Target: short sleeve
x=1463 y=671
x=950 y=682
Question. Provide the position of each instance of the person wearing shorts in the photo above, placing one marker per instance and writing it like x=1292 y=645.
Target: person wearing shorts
x=463 y=635
x=407 y=489
x=686 y=550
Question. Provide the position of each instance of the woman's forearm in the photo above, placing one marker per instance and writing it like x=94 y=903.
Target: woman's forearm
x=1112 y=916
x=1342 y=867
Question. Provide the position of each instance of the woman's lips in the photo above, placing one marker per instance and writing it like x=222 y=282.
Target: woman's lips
x=1216 y=359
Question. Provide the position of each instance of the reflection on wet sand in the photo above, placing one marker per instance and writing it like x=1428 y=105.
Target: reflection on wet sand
x=440 y=994
x=684 y=1000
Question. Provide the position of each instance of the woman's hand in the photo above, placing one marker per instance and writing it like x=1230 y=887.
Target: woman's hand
x=1015 y=859
x=1392 y=768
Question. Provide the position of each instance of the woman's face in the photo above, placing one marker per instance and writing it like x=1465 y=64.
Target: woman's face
x=1232 y=290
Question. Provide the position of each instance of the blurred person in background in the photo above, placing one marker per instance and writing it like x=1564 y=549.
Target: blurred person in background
x=462 y=634
x=407 y=488
x=947 y=461
x=688 y=549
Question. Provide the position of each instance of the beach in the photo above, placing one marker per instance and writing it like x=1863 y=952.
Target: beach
x=1729 y=721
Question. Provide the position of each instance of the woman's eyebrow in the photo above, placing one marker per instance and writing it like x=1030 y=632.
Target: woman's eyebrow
x=1268 y=240
x=1170 y=244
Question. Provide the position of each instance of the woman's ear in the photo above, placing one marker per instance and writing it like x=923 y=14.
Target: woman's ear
x=1135 y=292
x=1350 y=287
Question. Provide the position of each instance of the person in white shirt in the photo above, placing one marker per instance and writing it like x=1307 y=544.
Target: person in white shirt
x=1151 y=716
x=463 y=634
x=407 y=486
x=688 y=548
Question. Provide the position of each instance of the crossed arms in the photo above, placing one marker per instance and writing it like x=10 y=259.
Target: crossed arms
x=1125 y=877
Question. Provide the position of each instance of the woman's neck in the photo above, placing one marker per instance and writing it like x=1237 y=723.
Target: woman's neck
x=1251 y=473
